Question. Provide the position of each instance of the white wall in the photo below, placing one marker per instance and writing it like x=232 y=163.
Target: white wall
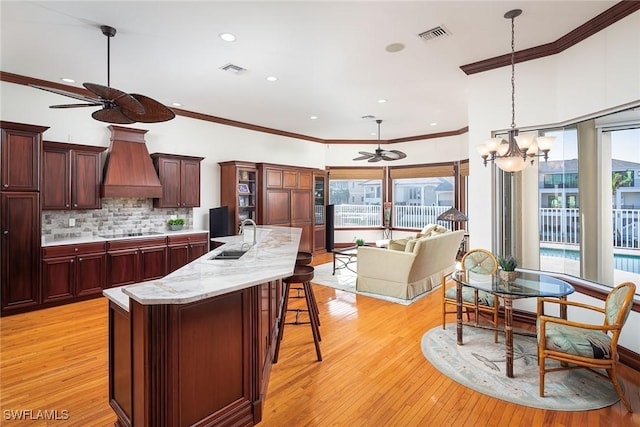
x=599 y=73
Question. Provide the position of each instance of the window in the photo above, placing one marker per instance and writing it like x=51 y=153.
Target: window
x=419 y=201
x=357 y=197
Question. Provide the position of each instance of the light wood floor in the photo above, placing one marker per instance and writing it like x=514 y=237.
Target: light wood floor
x=373 y=373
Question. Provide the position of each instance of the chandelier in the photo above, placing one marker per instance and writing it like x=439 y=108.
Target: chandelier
x=512 y=155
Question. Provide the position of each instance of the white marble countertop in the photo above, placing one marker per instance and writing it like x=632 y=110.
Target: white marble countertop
x=93 y=239
x=273 y=257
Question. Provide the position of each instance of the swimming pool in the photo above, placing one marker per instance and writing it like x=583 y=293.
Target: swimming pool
x=624 y=262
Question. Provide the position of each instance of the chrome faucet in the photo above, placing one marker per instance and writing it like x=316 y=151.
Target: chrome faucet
x=255 y=231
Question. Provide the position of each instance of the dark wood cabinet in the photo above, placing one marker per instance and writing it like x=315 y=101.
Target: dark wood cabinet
x=136 y=260
x=184 y=248
x=71 y=271
x=180 y=179
x=19 y=250
x=20 y=156
x=238 y=191
x=71 y=176
x=319 y=208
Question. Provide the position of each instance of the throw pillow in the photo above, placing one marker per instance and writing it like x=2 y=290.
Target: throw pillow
x=398 y=244
x=411 y=244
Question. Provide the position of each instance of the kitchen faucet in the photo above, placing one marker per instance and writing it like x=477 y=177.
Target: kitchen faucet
x=255 y=231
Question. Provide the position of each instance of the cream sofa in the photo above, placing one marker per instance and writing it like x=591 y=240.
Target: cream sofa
x=407 y=274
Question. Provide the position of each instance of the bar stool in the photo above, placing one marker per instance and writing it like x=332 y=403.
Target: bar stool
x=301 y=274
x=305 y=258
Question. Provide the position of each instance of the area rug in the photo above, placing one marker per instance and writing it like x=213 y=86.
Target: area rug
x=345 y=280
x=480 y=365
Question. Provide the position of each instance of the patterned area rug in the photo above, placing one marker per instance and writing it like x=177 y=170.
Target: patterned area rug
x=480 y=365
x=345 y=280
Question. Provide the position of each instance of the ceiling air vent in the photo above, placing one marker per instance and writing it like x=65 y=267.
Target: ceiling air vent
x=233 y=69
x=434 y=33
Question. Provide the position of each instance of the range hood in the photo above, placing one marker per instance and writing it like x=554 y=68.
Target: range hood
x=128 y=169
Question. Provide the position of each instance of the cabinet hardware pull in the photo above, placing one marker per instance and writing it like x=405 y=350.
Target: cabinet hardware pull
x=6 y=232
x=71 y=261
x=6 y=185
x=79 y=259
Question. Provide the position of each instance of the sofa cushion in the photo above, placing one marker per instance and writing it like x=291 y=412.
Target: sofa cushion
x=430 y=230
x=398 y=244
x=411 y=244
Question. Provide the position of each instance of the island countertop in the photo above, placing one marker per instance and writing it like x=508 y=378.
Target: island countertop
x=272 y=257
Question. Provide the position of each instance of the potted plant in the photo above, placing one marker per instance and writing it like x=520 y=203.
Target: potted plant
x=175 y=224
x=508 y=266
x=360 y=242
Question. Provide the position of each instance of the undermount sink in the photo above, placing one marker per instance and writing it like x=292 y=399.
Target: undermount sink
x=230 y=254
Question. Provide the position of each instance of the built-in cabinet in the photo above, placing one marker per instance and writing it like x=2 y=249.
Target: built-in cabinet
x=270 y=194
x=238 y=191
x=71 y=176
x=180 y=179
x=136 y=260
x=184 y=248
x=73 y=271
x=20 y=147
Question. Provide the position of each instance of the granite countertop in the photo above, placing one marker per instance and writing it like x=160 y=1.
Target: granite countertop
x=273 y=257
x=108 y=237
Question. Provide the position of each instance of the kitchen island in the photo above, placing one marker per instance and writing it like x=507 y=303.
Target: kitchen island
x=195 y=347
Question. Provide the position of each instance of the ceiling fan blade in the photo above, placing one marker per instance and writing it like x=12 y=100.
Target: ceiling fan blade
x=153 y=110
x=67 y=93
x=95 y=104
x=374 y=159
x=116 y=96
x=111 y=115
x=400 y=154
x=364 y=155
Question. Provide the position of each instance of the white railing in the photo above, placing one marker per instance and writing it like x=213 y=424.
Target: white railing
x=354 y=216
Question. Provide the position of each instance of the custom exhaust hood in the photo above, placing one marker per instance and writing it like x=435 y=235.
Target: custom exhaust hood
x=128 y=169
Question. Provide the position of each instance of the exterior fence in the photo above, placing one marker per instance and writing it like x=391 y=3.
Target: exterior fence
x=557 y=225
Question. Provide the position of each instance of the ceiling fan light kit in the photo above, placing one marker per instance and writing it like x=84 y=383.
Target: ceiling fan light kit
x=380 y=154
x=117 y=106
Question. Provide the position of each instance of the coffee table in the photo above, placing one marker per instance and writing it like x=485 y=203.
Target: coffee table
x=345 y=257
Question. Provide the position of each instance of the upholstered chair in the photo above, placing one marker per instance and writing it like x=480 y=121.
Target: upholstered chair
x=481 y=303
x=582 y=345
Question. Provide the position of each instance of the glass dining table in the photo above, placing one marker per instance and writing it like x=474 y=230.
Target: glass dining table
x=528 y=284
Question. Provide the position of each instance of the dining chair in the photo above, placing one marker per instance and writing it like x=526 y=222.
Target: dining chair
x=475 y=261
x=581 y=345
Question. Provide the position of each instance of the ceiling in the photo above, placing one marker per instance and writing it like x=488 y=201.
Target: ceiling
x=329 y=57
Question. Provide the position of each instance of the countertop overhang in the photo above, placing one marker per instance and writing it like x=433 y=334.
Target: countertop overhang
x=272 y=257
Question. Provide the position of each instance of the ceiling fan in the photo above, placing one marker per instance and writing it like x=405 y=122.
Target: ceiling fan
x=380 y=154
x=117 y=106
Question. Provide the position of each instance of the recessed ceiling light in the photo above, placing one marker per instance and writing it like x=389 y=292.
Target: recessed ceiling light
x=313 y=117
x=68 y=80
x=433 y=124
x=228 y=37
x=176 y=104
x=271 y=78
x=394 y=47
x=382 y=101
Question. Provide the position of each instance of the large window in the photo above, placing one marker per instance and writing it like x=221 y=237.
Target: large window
x=419 y=201
x=358 y=202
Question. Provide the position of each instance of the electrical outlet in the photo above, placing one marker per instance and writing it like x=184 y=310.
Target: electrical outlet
x=72 y=222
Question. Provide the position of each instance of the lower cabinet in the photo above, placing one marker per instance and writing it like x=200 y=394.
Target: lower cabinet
x=184 y=248
x=136 y=260
x=70 y=271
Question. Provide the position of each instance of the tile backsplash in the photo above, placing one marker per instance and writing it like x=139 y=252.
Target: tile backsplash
x=118 y=215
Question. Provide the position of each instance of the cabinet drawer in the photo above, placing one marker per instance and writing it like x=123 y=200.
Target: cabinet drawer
x=67 y=250
x=187 y=238
x=135 y=243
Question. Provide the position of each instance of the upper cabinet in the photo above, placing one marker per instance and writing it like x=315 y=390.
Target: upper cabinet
x=180 y=179
x=71 y=176
x=20 y=153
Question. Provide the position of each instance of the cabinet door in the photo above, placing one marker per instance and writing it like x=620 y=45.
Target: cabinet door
x=178 y=256
x=56 y=179
x=85 y=180
x=123 y=267
x=169 y=174
x=20 y=160
x=91 y=270
x=305 y=180
x=273 y=178
x=301 y=205
x=58 y=277
x=20 y=249
x=306 y=239
x=190 y=183
x=153 y=263
x=277 y=207
x=196 y=250
x=290 y=179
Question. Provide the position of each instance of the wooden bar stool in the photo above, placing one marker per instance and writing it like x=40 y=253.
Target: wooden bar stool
x=305 y=258
x=301 y=274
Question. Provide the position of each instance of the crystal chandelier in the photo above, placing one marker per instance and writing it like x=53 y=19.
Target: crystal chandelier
x=512 y=155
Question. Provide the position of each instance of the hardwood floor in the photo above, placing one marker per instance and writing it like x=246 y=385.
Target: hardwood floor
x=373 y=372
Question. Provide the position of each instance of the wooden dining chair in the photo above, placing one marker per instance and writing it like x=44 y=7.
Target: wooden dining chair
x=481 y=303
x=582 y=345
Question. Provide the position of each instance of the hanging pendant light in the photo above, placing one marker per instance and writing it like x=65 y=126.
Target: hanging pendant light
x=512 y=155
